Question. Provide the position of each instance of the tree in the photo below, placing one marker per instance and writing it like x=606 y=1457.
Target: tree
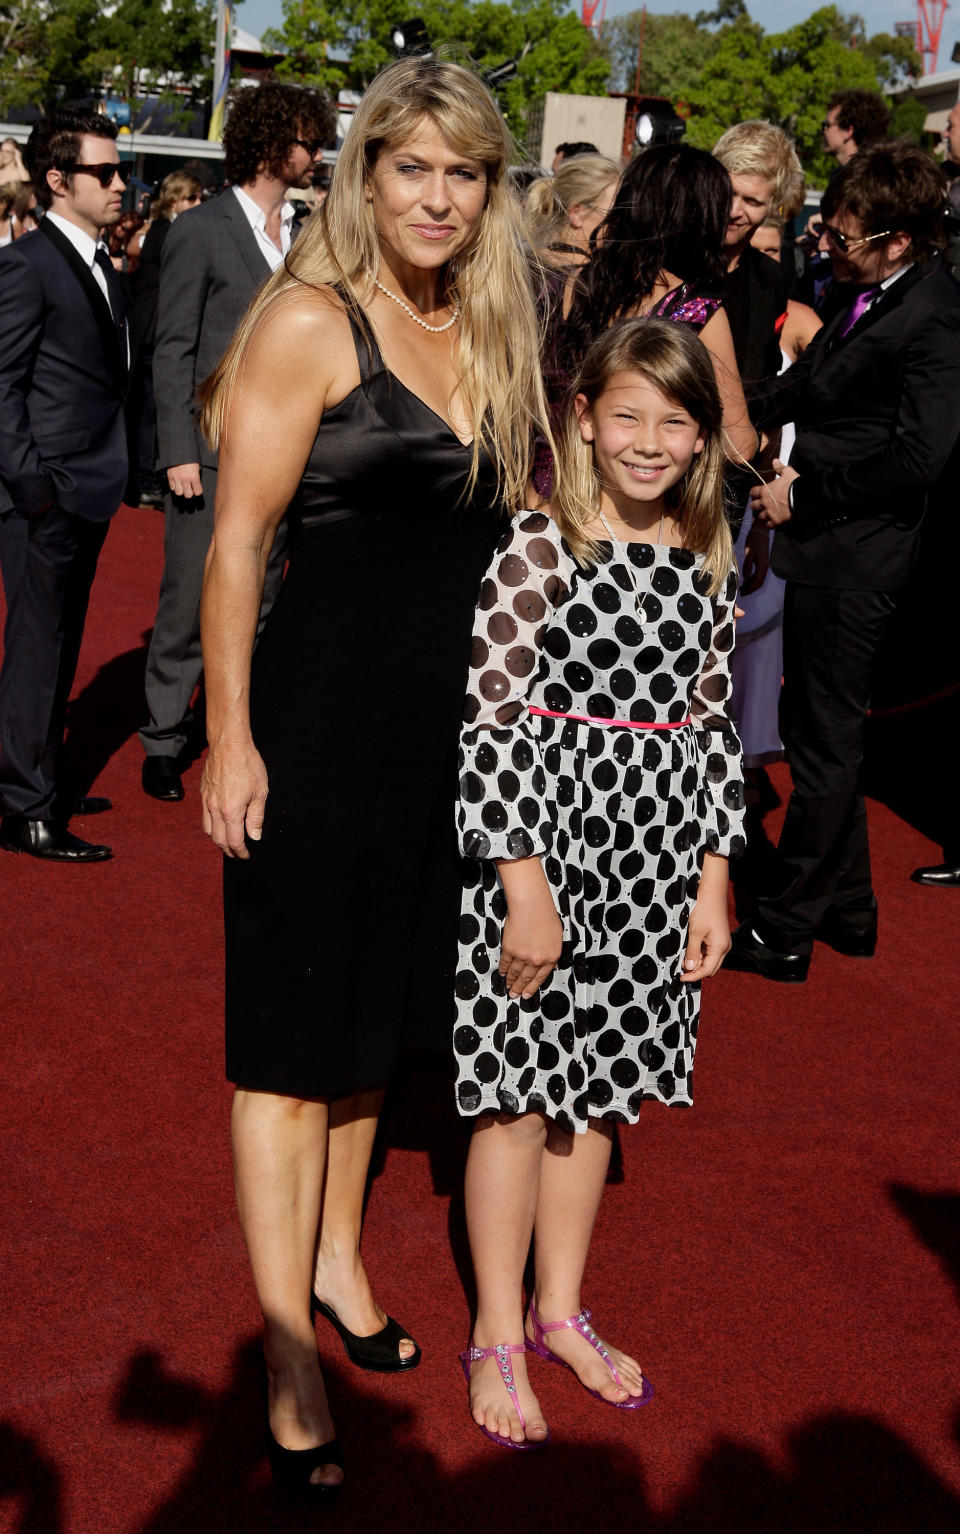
x=675 y=50
x=336 y=43
x=725 y=68
x=74 y=49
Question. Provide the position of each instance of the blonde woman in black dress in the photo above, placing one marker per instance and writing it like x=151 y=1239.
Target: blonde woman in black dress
x=382 y=392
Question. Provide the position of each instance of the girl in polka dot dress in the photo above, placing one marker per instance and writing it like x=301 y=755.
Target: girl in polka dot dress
x=600 y=798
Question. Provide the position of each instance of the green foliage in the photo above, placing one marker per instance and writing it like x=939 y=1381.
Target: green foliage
x=335 y=43
x=726 y=68
x=909 y=117
x=51 y=53
x=675 y=51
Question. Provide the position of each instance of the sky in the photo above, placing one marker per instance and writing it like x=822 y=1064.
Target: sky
x=774 y=15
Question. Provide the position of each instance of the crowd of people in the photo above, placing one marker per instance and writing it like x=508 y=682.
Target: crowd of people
x=512 y=527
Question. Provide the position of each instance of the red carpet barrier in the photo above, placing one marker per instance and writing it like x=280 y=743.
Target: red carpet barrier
x=785 y=1259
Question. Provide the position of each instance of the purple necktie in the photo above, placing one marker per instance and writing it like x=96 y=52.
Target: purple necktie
x=857 y=307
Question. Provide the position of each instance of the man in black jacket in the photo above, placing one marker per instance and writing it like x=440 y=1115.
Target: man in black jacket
x=766 y=177
x=876 y=399
x=64 y=367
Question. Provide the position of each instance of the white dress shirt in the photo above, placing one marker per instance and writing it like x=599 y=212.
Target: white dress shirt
x=887 y=283
x=257 y=220
x=86 y=248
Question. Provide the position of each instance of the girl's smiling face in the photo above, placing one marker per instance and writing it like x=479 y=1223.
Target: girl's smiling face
x=643 y=442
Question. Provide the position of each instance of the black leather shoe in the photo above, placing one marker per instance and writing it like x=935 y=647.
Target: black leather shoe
x=161 y=777
x=844 y=937
x=89 y=804
x=939 y=876
x=754 y=957
x=48 y=839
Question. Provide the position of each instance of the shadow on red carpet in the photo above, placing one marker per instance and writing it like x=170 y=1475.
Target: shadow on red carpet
x=784 y=1259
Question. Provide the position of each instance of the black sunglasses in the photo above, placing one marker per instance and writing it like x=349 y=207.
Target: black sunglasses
x=311 y=145
x=843 y=241
x=104 y=173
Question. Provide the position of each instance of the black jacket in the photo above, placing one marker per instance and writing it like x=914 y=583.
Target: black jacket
x=877 y=415
x=63 y=383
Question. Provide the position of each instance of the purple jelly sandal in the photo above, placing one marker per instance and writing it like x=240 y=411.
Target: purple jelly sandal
x=502 y=1353
x=581 y=1324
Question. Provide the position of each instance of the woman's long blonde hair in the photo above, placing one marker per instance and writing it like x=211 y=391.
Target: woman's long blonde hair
x=676 y=362
x=491 y=281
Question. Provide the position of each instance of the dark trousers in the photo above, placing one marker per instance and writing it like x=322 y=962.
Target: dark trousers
x=48 y=565
x=830 y=642
x=175 y=657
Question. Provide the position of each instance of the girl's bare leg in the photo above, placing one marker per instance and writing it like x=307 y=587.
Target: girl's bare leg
x=279 y=1149
x=572 y=1177
x=340 y=1278
x=503 y=1172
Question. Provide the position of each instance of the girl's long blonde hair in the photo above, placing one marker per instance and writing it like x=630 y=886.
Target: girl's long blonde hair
x=491 y=281
x=678 y=364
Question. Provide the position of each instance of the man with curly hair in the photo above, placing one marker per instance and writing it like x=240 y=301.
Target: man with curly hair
x=214 y=259
x=854 y=119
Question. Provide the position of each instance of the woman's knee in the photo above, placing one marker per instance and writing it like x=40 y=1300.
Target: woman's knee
x=273 y=1108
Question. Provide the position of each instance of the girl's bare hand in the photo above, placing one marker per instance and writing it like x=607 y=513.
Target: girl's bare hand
x=531 y=946
x=708 y=940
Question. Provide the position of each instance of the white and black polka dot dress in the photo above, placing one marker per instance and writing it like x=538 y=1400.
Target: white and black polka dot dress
x=621 y=817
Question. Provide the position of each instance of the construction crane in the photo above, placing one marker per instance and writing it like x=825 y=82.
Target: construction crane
x=926 y=29
x=588 y=14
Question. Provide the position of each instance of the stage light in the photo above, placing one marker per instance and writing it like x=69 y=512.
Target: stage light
x=410 y=37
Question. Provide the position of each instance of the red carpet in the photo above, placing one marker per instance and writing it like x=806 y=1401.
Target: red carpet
x=785 y=1259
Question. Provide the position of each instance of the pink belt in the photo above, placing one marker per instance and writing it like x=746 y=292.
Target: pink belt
x=627 y=724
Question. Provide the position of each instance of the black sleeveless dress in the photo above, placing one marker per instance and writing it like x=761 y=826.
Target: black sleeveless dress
x=341 y=930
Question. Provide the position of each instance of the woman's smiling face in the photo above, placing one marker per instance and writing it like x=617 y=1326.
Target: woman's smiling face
x=427 y=199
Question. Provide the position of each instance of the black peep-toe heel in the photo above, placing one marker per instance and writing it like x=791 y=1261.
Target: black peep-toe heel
x=291 y=1469
x=380 y=1352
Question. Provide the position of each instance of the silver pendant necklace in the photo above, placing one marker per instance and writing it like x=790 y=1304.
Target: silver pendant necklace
x=435 y=330
x=621 y=549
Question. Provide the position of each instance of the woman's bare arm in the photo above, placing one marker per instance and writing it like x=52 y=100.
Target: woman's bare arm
x=300 y=361
x=801 y=326
x=742 y=439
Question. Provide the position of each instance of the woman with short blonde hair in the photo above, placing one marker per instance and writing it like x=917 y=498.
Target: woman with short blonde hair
x=382 y=392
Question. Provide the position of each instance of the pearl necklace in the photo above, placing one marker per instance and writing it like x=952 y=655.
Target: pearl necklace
x=435 y=330
x=621 y=549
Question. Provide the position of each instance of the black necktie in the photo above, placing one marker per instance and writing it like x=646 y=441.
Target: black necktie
x=115 y=292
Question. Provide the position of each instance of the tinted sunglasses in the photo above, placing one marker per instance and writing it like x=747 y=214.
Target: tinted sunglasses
x=104 y=173
x=843 y=241
x=311 y=145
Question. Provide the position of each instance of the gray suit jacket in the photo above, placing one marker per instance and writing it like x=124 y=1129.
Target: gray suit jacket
x=211 y=269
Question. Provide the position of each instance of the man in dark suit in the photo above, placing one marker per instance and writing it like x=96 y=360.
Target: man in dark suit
x=876 y=399
x=214 y=260
x=64 y=366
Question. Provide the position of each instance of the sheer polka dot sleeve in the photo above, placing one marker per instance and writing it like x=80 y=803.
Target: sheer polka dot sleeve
x=501 y=775
x=717 y=739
